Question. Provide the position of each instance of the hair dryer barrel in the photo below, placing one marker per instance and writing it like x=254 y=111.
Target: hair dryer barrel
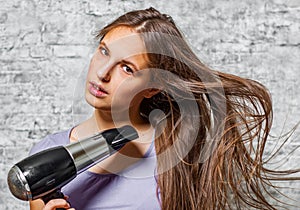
x=51 y=169
x=94 y=149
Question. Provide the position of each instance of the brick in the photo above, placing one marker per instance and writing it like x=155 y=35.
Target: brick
x=40 y=52
x=93 y=8
x=30 y=38
x=3 y=17
x=288 y=3
x=7 y=42
x=70 y=51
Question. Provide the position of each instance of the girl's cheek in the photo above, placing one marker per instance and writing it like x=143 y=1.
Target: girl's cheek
x=92 y=66
x=90 y=70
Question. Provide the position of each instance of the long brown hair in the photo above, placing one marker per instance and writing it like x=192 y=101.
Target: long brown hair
x=223 y=120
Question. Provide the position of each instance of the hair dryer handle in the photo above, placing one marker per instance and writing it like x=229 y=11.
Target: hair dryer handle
x=53 y=195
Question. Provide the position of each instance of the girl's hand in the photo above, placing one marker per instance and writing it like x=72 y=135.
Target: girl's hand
x=57 y=203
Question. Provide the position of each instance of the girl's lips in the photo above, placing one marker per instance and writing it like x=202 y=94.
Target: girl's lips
x=97 y=90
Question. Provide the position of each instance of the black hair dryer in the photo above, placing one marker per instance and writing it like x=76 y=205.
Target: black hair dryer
x=43 y=174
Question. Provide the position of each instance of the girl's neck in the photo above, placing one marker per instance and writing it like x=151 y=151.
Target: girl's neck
x=107 y=120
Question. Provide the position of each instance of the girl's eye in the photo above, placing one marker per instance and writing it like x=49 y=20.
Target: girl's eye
x=127 y=69
x=103 y=51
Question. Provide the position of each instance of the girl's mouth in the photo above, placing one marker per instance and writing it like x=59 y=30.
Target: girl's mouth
x=97 y=90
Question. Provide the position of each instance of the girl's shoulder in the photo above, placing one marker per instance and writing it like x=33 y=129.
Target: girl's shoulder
x=52 y=140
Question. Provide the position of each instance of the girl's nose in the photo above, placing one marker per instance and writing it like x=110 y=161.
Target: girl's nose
x=104 y=77
x=104 y=73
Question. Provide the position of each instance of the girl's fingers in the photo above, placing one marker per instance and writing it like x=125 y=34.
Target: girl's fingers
x=56 y=203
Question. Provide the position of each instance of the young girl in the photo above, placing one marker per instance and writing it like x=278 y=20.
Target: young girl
x=201 y=132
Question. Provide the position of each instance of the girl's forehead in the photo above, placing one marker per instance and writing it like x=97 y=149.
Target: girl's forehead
x=124 y=42
x=123 y=34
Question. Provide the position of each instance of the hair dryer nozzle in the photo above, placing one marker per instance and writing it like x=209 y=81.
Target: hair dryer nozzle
x=118 y=137
x=17 y=184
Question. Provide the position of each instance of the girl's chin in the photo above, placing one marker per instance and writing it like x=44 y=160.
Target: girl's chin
x=93 y=101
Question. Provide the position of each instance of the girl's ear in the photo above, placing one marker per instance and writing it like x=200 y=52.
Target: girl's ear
x=151 y=92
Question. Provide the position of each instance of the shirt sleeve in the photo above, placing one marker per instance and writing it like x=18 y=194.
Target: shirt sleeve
x=52 y=140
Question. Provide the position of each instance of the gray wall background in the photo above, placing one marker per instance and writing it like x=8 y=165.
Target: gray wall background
x=45 y=47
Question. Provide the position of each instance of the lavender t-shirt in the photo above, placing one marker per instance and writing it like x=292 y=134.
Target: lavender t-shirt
x=132 y=189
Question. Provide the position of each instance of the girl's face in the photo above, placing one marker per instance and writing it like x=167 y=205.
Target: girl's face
x=117 y=77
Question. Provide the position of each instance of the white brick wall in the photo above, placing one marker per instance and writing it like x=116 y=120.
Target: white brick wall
x=45 y=46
